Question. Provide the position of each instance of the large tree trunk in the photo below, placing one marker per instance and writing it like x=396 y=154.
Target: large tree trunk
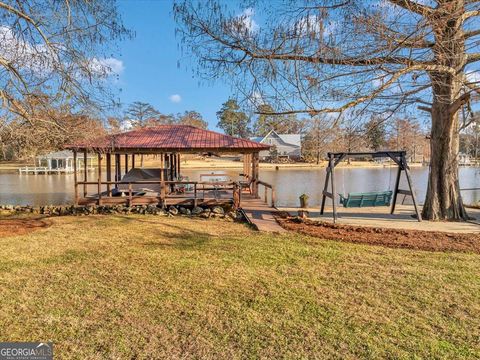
x=444 y=201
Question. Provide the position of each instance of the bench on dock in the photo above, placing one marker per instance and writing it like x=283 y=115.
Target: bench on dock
x=379 y=198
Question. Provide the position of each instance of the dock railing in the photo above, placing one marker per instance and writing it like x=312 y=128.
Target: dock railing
x=267 y=187
x=167 y=191
x=33 y=169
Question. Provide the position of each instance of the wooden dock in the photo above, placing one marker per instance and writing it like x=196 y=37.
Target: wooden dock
x=47 y=170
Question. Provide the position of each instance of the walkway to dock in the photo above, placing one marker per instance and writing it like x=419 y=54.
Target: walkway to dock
x=260 y=214
x=402 y=219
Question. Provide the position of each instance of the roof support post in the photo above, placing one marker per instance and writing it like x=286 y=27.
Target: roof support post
x=249 y=165
x=75 y=180
x=126 y=164
x=243 y=160
x=85 y=173
x=163 y=200
x=255 y=168
x=133 y=161
x=109 y=172
x=118 y=170
x=99 y=179
x=178 y=165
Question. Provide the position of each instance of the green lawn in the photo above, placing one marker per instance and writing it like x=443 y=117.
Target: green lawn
x=154 y=287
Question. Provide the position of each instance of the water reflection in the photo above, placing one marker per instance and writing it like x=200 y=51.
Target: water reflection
x=290 y=184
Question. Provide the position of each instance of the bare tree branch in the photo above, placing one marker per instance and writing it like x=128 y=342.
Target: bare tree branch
x=413 y=6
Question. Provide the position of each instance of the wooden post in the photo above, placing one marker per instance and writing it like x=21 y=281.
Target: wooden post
x=75 y=180
x=178 y=165
x=99 y=187
x=243 y=171
x=409 y=180
x=109 y=172
x=239 y=195
x=174 y=165
x=255 y=160
x=195 y=194
x=334 y=205
x=133 y=161
x=167 y=167
x=118 y=171
x=273 y=197
x=265 y=195
x=162 y=185
x=115 y=172
x=325 y=186
x=126 y=164
x=130 y=194
x=85 y=176
x=162 y=164
x=395 y=190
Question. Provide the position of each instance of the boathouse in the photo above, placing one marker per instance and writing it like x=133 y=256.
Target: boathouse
x=119 y=180
x=59 y=162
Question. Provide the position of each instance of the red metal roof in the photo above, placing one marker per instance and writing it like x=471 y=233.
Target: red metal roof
x=169 y=138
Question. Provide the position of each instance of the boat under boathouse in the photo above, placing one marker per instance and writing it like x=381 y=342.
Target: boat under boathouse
x=120 y=180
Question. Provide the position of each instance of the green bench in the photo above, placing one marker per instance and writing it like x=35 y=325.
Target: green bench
x=379 y=198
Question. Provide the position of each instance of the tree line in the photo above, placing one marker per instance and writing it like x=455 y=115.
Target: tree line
x=321 y=57
x=58 y=126
x=50 y=126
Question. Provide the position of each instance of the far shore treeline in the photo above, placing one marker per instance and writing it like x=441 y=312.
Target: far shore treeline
x=20 y=141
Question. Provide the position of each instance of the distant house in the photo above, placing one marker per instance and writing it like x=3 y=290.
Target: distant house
x=283 y=145
x=57 y=163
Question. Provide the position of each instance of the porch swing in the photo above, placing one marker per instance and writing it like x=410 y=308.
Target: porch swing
x=368 y=199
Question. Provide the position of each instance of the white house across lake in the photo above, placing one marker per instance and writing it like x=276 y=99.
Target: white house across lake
x=283 y=145
x=56 y=163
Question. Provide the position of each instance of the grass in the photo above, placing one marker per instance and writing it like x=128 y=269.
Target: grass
x=153 y=287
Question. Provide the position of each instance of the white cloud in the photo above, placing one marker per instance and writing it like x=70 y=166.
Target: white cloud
x=107 y=66
x=246 y=17
x=473 y=76
x=256 y=98
x=36 y=57
x=244 y=24
x=41 y=59
x=175 y=98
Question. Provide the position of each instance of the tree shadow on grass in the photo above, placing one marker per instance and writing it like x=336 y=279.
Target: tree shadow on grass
x=178 y=237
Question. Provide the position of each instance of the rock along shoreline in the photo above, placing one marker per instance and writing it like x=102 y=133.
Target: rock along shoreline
x=225 y=212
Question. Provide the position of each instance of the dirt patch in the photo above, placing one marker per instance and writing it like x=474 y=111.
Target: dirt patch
x=10 y=227
x=408 y=239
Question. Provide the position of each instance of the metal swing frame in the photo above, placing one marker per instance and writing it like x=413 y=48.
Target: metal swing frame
x=398 y=157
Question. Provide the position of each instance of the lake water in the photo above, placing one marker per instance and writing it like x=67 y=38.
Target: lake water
x=25 y=189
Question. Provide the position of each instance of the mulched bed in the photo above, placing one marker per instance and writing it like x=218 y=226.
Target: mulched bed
x=10 y=227
x=395 y=238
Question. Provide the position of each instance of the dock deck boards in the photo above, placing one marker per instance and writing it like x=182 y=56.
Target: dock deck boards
x=260 y=214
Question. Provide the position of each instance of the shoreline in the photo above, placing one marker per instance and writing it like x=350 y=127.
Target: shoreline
x=229 y=164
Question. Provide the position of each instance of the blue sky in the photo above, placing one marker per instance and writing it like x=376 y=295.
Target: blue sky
x=150 y=72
